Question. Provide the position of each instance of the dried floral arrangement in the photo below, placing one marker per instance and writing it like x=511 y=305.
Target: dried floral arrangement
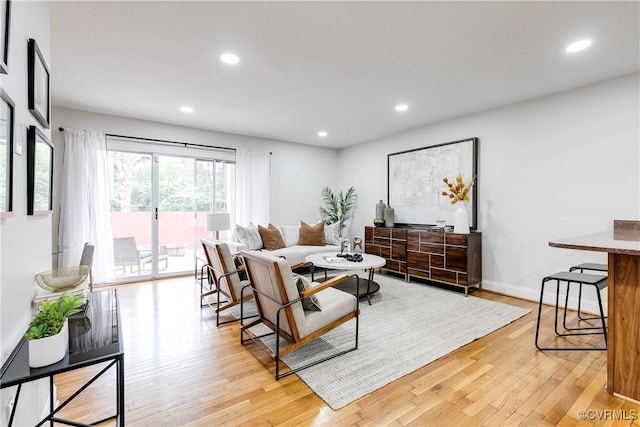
x=458 y=191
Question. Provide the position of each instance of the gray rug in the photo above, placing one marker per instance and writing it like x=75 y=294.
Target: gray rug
x=407 y=326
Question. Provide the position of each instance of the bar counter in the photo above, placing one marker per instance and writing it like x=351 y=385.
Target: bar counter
x=623 y=342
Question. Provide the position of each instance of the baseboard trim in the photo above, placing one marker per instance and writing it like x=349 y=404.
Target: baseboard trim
x=587 y=306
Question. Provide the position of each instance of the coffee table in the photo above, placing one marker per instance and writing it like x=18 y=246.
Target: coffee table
x=365 y=287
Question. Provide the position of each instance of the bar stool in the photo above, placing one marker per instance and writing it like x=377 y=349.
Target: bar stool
x=600 y=282
x=589 y=266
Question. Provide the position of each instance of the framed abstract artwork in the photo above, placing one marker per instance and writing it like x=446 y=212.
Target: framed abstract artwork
x=38 y=82
x=7 y=120
x=39 y=172
x=415 y=182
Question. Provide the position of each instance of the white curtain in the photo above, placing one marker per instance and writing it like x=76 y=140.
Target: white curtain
x=253 y=198
x=85 y=202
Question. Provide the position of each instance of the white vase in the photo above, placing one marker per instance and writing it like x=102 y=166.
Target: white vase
x=49 y=350
x=461 y=222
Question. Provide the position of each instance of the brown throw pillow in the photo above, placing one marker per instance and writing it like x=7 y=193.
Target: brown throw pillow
x=312 y=235
x=271 y=237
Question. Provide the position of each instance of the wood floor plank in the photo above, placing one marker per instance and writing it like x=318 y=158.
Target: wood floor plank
x=183 y=370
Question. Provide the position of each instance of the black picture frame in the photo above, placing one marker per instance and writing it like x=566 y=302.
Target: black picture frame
x=5 y=20
x=415 y=186
x=39 y=92
x=7 y=123
x=39 y=172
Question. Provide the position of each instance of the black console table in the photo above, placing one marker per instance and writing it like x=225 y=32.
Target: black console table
x=94 y=337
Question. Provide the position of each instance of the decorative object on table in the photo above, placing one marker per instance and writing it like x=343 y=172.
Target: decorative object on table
x=380 y=206
x=39 y=173
x=356 y=245
x=461 y=222
x=7 y=119
x=351 y=257
x=62 y=279
x=445 y=228
x=5 y=19
x=48 y=333
x=216 y=222
x=337 y=209
x=389 y=216
x=345 y=244
x=441 y=223
x=458 y=193
x=38 y=82
x=413 y=188
x=378 y=222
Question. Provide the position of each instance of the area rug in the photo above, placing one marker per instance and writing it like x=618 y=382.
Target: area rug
x=407 y=326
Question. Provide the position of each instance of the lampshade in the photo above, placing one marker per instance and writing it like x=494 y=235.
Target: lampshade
x=217 y=221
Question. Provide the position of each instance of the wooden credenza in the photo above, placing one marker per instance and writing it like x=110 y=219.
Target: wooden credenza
x=450 y=258
x=390 y=244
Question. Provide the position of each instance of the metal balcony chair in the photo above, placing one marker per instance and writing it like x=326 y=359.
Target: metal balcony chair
x=126 y=254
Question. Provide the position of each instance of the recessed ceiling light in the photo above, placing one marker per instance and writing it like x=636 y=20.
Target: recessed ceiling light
x=578 y=46
x=186 y=109
x=322 y=134
x=229 y=58
x=402 y=107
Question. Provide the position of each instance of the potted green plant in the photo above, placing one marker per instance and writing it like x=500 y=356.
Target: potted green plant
x=337 y=209
x=48 y=333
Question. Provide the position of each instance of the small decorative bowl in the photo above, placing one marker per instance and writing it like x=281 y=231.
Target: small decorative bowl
x=378 y=222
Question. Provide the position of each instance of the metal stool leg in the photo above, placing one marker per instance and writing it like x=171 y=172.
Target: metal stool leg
x=581 y=269
x=581 y=328
x=544 y=281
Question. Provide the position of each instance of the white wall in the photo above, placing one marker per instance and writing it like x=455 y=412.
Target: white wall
x=298 y=172
x=25 y=241
x=558 y=166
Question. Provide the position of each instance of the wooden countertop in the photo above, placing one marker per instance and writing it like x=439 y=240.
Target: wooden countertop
x=599 y=242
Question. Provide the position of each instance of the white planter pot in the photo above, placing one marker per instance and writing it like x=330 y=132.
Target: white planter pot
x=49 y=350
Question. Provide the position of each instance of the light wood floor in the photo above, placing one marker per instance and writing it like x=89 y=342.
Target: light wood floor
x=181 y=370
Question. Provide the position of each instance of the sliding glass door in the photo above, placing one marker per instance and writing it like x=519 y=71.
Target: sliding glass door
x=159 y=205
x=131 y=213
x=178 y=198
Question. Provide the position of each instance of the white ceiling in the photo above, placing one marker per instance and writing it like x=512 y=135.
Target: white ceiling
x=334 y=66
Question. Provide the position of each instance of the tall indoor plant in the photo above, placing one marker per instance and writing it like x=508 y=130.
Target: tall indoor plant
x=337 y=208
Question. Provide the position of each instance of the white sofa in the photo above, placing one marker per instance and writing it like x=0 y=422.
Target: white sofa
x=293 y=252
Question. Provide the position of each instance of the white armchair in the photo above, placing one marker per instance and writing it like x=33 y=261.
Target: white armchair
x=225 y=277
x=279 y=304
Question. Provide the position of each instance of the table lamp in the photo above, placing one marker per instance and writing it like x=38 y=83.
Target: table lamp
x=216 y=222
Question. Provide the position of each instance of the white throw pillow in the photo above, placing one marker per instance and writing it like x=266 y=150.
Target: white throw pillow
x=291 y=234
x=332 y=234
x=248 y=236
